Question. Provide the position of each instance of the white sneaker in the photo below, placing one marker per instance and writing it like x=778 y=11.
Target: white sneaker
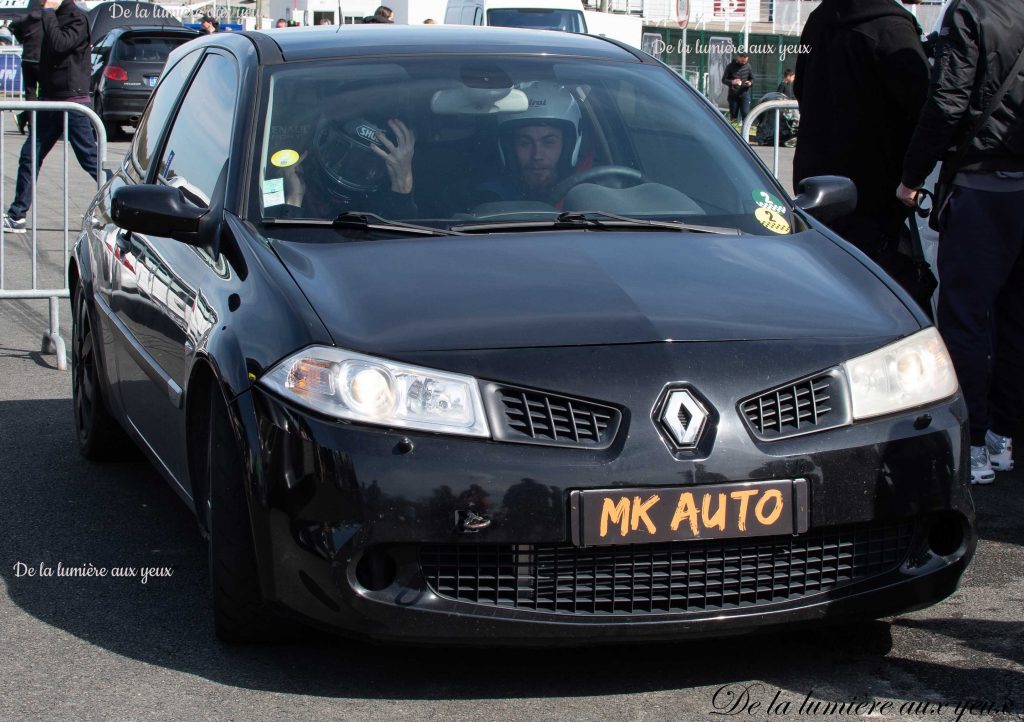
x=13 y=226
x=1000 y=451
x=981 y=467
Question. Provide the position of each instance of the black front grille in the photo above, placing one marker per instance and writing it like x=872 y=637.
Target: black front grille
x=676 y=577
x=538 y=417
x=811 y=404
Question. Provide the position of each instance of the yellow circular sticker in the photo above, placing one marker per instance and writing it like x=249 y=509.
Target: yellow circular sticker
x=285 y=158
x=775 y=222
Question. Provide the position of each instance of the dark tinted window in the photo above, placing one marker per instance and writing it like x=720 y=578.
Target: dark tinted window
x=200 y=140
x=160 y=107
x=566 y=20
x=103 y=44
x=147 y=49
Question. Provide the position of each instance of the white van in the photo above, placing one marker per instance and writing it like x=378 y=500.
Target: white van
x=564 y=15
x=414 y=12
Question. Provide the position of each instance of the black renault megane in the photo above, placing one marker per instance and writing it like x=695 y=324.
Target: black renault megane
x=498 y=336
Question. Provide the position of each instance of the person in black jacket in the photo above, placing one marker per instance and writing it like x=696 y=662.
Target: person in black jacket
x=382 y=15
x=28 y=30
x=208 y=25
x=64 y=74
x=786 y=86
x=981 y=241
x=739 y=76
x=860 y=88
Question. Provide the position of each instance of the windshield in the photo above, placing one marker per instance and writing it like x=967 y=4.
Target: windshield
x=570 y=21
x=450 y=141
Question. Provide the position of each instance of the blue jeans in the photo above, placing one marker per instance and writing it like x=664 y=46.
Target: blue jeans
x=739 y=107
x=50 y=126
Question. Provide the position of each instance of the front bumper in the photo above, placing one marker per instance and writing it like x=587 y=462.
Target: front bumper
x=357 y=530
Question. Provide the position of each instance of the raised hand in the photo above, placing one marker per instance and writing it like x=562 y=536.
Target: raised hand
x=398 y=156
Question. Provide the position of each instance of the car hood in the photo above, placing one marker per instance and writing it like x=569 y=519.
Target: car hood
x=569 y=288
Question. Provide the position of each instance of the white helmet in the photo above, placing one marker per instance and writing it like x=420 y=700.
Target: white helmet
x=550 y=104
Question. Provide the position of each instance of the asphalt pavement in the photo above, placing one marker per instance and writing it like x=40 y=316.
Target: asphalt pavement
x=118 y=647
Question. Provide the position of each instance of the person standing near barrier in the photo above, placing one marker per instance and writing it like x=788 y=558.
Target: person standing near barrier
x=976 y=105
x=64 y=74
x=739 y=76
x=28 y=29
x=861 y=88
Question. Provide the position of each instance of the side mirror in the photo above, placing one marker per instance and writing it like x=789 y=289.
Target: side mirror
x=827 y=197
x=157 y=211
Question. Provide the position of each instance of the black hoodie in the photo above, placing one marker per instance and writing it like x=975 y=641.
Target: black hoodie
x=28 y=29
x=861 y=88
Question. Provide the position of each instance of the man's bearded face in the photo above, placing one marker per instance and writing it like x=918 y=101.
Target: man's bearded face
x=538 y=149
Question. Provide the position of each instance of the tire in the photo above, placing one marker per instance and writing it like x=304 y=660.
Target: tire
x=100 y=437
x=113 y=129
x=239 y=612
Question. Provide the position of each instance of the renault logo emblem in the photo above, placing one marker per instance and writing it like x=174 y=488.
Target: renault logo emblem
x=682 y=418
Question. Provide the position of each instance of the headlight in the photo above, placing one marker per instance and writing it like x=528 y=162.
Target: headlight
x=911 y=372
x=362 y=388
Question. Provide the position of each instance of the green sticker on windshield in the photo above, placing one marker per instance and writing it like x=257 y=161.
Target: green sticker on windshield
x=766 y=200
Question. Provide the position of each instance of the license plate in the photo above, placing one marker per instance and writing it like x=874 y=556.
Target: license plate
x=713 y=511
x=152 y=81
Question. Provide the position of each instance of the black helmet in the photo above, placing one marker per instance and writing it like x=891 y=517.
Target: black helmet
x=345 y=157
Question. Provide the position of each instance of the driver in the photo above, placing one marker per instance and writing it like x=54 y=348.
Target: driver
x=355 y=166
x=539 y=146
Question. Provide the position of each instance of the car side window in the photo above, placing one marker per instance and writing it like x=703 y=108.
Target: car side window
x=147 y=136
x=199 y=142
x=99 y=51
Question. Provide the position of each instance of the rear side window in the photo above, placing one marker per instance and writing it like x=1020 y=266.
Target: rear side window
x=147 y=137
x=146 y=49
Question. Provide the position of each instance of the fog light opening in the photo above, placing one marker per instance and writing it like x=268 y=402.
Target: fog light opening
x=376 y=570
x=946 y=537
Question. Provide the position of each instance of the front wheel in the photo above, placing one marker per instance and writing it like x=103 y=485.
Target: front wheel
x=239 y=612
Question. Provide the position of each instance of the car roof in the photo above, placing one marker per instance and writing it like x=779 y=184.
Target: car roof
x=373 y=40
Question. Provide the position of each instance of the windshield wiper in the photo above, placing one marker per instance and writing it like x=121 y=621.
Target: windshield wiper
x=365 y=222
x=600 y=220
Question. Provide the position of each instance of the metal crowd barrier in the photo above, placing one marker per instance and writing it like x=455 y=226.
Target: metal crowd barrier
x=769 y=105
x=52 y=341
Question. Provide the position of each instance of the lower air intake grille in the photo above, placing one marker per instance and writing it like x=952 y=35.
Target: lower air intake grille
x=677 y=577
x=542 y=418
x=811 y=404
